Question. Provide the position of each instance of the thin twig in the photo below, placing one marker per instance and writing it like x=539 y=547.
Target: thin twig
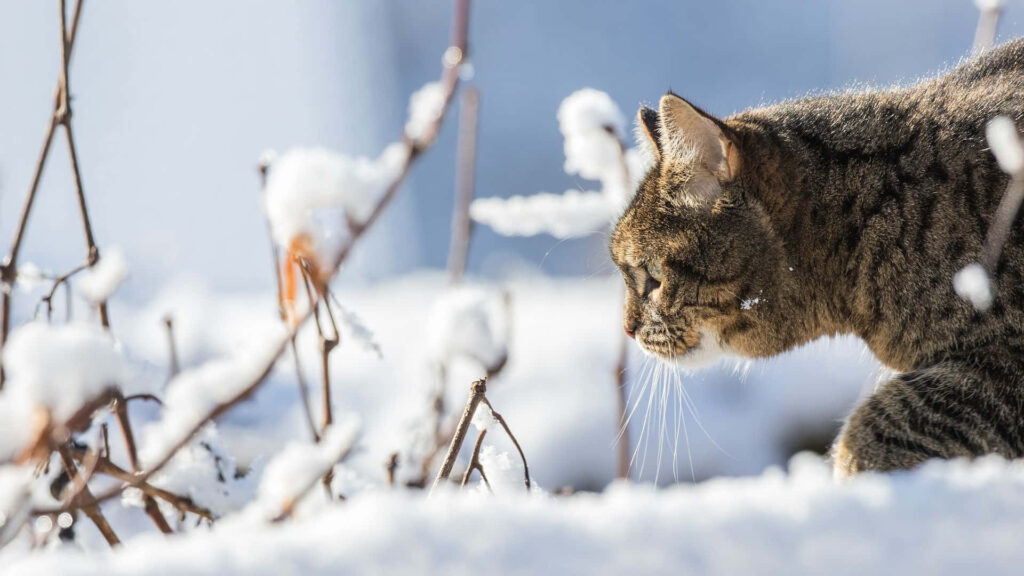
x=304 y=392
x=623 y=446
x=450 y=81
x=150 y=506
x=1002 y=222
x=57 y=282
x=64 y=118
x=391 y=467
x=474 y=459
x=144 y=396
x=107 y=467
x=172 y=348
x=9 y=266
x=465 y=169
x=985 y=33
x=512 y=437
x=476 y=395
x=90 y=506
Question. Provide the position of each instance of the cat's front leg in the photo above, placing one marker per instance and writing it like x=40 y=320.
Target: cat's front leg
x=956 y=408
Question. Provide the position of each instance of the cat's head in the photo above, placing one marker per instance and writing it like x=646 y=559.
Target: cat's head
x=696 y=250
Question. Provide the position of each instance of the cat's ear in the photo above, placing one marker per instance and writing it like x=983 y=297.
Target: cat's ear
x=647 y=128
x=686 y=134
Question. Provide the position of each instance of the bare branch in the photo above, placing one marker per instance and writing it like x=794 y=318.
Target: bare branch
x=474 y=459
x=985 y=33
x=476 y=395
x=512 y=437
x=90 y=506
x=171 y=346
x=465 y=168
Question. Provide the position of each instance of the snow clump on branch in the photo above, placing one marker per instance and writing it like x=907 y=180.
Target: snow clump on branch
x=100 y=282
x=593 y=127
x=471 y=322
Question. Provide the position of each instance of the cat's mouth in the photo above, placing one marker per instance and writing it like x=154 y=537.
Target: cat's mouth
x=706 y=350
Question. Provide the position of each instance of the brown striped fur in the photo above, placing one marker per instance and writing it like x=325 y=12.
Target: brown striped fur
x=842 y=214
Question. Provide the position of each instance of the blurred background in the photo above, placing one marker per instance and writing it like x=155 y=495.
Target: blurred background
x=175 y=102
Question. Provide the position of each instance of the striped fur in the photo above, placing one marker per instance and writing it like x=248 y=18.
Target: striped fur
x=847 y=214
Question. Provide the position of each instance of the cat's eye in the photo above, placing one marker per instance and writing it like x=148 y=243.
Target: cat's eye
x=654 y=270
x=653 y=277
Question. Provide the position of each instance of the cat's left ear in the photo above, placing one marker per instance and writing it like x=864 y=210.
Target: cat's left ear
x=687 y=134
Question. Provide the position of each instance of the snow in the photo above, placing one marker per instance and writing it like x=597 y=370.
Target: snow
x=592 y=126
x=205 y=472
x=60 y=368
x=313 y=195
x=972 y=284
x=353 y=329
x=471 y=321
x=14 y=499
x=944 y=519
x=569 y=215
x=30 y=276
x=195 y=393
x=425 y=106
x=1002 y=137
x=98 y=283
x=989 y=5
x=296 y=468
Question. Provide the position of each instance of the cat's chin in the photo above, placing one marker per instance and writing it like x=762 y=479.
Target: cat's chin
x=707 y=352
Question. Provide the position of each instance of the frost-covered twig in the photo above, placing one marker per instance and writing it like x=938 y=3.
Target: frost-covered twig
x=9 y=266
x=476 y=395
x=988 y=20
x=974 y=282
x=465 y=169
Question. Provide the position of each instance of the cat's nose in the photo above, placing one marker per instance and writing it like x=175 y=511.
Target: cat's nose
x=630 y=329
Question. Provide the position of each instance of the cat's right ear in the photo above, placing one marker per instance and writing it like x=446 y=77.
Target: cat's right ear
x=648 y=132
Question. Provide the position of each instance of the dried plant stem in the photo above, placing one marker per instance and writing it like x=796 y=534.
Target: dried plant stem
x=9 y=266
x=172 y=347
x=512 y=437
x=391 y=466
x=304 y=392
x=474 y=462
x=90 y=506
x=1002 y=222
x=465 y=174
x=985 y=33
x=150 y=505
x=450 y=81
x=184 y=504
x=63 y=279
x=622 y=447
x=476 y=395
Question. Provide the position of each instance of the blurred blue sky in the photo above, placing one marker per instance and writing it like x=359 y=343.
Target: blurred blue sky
x=175 y=101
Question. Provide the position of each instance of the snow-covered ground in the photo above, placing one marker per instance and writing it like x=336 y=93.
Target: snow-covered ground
x=947 y=518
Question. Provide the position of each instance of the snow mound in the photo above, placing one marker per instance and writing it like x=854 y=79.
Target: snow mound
x=945 y=518
x=60 y=367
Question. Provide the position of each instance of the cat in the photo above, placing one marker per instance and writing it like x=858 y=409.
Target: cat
x=841 y=214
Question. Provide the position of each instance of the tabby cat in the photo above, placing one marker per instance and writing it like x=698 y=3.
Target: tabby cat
x=842 y=214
